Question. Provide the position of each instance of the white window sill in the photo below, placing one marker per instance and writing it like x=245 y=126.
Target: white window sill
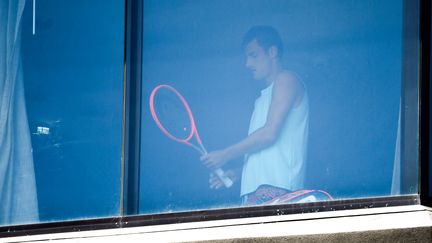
x=321 y=223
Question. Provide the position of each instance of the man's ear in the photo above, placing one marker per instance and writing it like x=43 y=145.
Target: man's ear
x=273 y=52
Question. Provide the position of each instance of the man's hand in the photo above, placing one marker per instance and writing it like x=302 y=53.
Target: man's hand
x=216 y=183
x=215 y=159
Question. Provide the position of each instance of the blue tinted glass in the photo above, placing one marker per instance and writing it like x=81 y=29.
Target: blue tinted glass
x=314 y=119
x=65 y=82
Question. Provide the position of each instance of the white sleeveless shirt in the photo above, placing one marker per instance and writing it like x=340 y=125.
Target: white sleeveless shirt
x=283 y=163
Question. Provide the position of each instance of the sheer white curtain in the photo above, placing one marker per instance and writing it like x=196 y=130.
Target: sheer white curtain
x=18 y=199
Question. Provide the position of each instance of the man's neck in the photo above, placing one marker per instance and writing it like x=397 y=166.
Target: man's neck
x=276 y=69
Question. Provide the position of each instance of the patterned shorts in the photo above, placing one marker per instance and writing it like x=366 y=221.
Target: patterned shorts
x=271 y=195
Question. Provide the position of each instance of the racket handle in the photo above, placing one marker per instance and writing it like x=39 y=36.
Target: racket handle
x=225 y=179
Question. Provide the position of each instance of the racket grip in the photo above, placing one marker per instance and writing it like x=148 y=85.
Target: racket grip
x=225 y=179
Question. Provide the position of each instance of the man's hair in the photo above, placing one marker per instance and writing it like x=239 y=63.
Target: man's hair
x=266 y=37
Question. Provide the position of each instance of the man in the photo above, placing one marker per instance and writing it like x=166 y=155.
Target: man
x=275 y=149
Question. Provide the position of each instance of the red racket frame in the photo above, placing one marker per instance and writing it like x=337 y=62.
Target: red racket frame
x=193 y=129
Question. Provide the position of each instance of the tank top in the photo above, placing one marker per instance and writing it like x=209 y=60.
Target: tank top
x=283 y=163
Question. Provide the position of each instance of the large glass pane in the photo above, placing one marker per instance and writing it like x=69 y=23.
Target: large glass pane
x=61 y=92
x=300 y=100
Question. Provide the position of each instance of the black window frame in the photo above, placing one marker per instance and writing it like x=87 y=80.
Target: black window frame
x=424 y=92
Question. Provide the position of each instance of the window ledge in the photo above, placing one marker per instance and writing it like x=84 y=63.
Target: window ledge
x=368 y=224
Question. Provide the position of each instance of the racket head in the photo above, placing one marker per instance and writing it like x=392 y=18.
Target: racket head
x=172 y=114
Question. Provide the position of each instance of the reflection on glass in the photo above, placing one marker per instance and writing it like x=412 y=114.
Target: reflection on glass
x=294 y=102
x=60 y=151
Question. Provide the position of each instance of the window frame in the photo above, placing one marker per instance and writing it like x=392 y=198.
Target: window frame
x=424 y=92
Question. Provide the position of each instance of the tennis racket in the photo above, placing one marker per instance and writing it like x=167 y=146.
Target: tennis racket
x=174 y=118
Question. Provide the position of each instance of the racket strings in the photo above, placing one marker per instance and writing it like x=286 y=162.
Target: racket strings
x=172 y=114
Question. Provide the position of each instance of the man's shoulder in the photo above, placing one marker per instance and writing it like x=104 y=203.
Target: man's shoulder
x=288 y=77
x=289 y=82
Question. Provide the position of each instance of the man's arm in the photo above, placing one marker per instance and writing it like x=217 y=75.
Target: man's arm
x=287 y=93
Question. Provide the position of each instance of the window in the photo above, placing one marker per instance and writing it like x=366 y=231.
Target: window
x=348 y=59
x=126 y=110
x=68 y=75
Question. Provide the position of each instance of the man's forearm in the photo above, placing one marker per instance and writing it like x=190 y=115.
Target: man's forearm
x=260 y=139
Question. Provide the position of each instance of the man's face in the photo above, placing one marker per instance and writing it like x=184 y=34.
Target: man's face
x=258 y=60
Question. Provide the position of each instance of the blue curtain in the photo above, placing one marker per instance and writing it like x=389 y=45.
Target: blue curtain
x=18 y=198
